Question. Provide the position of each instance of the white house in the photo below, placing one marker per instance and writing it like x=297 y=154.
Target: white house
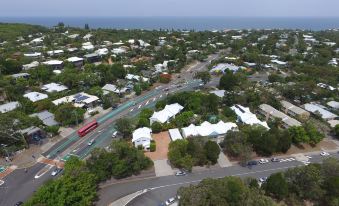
x=31 y=65
x=319 y=110
x=333 y=105
x=53 y=87
x=136 y=77
x=207 y=129
x=221 y=68
x=142 y=136
x=78 y=100
x=247 y=117
x=55 y=52
x=35 y=96
x=10 y=106
x=166 y=114
x=33 y=55
x=55 y=64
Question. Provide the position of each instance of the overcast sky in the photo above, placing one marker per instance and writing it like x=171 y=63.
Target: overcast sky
x=61 y=8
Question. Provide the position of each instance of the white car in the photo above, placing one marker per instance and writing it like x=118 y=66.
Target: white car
x=180 y=173
x=263 y=161
x=324 y=154
x=114 y=134
x=90 y=142
x=170 y=201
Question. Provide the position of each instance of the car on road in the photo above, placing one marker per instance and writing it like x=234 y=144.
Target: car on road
x=91 y=142
x=114 y=134
x=170 y=201
x=19 y=203
x=1 y=182
x=114 y=106
x=263 y=161
x=180 y=173
x=324 y=154
x=274 y=159
x=56 y=171
x=262 y=179
x=252 y=163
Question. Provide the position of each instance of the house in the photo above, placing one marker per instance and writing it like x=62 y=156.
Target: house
x=271 y=113
x=35 y=96
x=220 y=68
x=20 y=75
x=118 y=51
x=46 y=117
x=136 y=78
x=102 y=52
x=54 y=64
x=334 y=105
x=333 y=122
x=10 y=106
x=294 y=111
x=174 y=134
x=33 y=55
x=78 y=100
x=166 y=114
x=53 y=87
x=112 y=88
x=31 y=65
x=76 y=61
x=318 y=109
x=92 y=58
x=279 y=63
x=219 y=93
x=87 y=46
x=207 y=129
x=247 y=117
x=142 y=137
x=55 y=52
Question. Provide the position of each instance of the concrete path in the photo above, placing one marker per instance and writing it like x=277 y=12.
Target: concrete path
x=223 y=161
x=162 y=168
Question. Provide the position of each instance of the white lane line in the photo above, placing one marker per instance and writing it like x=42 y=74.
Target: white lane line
x=147 y=102
x=160 y=96
x=154 y=99
x=139 y=106
x=43 y=171
x=131 y=110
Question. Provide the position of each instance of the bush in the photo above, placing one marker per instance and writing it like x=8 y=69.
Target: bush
x=152 y=147
x=156 y=127
x=53 y=130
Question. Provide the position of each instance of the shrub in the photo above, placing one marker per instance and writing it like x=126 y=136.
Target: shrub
x=156 y=127
x=152 y=147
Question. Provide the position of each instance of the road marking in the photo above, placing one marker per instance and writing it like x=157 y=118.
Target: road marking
x=131 y=109
x=43 y=171
x=139 y=106
x=160 y=96
x=154 y=99
x=147 y=102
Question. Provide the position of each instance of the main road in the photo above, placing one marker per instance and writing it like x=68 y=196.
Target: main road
x=19 y=185
x=162 y=188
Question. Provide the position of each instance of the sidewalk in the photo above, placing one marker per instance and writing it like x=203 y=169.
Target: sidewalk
x=128 y=198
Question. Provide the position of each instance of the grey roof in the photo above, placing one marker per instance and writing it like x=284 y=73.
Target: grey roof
x=293 y=108
x=9 y=107
x=46 y=117
x=91 y=55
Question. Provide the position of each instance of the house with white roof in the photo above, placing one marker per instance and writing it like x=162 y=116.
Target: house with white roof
x=318 y=109
x=247 y=117
x=136 y=78
x=219 y=93
x=87 y=46
x=334 y=105
x=120 y=50
x=142 y=136
x=166 y=114
x=31 y=65
x=35 y=96
x=279 y=63
x=87 y=36
x=76 y=61
x=112 y=88
x=207 y=129
x=54 y=64
x=78 y=100
x=55 y=52
x=33 y=55
x=20 y=75
x=10 y=106
x=102 y=52
x=53 y=87
x=221 y=68
x=174 y=134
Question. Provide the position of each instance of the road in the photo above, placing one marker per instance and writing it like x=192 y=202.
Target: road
x=166 y=187
x=19 y=186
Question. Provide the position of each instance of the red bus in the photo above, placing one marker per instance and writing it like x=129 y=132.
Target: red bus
x=87 y=128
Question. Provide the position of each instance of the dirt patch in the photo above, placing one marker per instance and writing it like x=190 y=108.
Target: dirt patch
x=162 y=141
x=323 y=145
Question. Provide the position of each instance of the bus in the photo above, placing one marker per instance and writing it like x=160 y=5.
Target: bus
x=87 y=128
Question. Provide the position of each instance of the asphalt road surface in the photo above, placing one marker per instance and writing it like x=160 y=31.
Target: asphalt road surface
x=165 y=187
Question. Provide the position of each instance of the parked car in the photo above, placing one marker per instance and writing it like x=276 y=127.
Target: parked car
x=56 y=171
x=114 y=134
x=91 y=142
x=262 y=179
x=263 y=161
x=170 y=201
x=274 y=159
x=180 y=173
x=324 y=154
x=19 y=203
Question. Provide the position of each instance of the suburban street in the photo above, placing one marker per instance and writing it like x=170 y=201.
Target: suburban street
x=19 y=186
x=163 y=188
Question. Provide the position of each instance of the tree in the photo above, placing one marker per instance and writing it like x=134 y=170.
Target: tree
x=298 y=135
x=314 y=135
x=336 y=130
x=125 y=126
x=230 y=114
x=156 y=127
x=276 y=185
x=137 y=89
x=205 y=76
x=67 y=114
x=212 y=151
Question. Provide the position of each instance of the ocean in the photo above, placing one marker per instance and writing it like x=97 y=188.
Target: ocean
x=190 y=23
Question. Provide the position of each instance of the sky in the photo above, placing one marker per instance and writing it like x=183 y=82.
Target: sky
x=123 y=8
